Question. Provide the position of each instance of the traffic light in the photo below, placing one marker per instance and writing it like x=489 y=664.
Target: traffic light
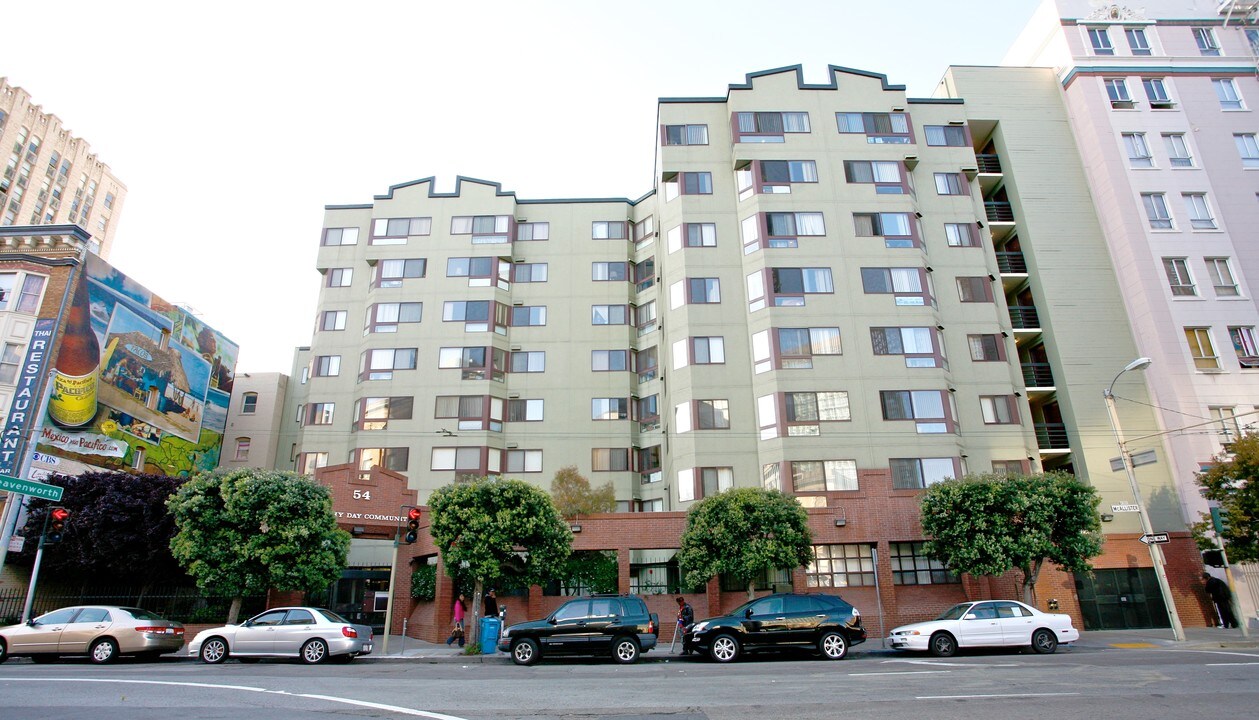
x=1213 y=558
x=1219 y=521
x=56 y=527
x=413 y=525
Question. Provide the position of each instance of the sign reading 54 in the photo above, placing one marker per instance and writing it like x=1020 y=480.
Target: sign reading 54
x=362 y=494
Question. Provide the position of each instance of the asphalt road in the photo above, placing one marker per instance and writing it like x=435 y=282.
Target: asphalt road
x=1077 y=683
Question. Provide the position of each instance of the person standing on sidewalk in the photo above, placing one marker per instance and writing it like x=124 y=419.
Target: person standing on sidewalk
x=491 y=604
x=1219 y=593
x=456 y=630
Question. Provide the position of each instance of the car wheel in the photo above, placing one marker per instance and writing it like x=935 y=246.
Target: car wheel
x=833 y=646
x=942 y=645
x=624 y=650
x=103 y=651
x=314 y=651
x=214 y=651
x=4 y=651
x=724 y=649
x=1044 y=642
x=524 y=652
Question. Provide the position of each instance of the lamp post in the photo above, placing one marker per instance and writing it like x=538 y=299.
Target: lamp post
x=1156 y=553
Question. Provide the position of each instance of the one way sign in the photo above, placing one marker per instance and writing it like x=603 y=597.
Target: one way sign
x=1155 y=538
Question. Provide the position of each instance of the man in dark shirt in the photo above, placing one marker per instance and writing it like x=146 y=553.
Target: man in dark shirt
x=491 y=604
x=1219 y=593
x=686 y=614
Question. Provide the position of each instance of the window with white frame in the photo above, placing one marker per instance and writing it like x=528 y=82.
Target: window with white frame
x=1178 y=276
x=961 y=235
x=928 y=408
x=1205 y=39
x=951 y=183
x=1201 y=349
x=1226 y=92
x=917 y=473
x=1138 y=43
x=1226 y=422
x=1139 y=155
x=11 y=360
x=1248 y=149
x=1156 y=92
x=685 y=135
x=1099 y=40
x=1156 y=210
x=1117 y=91
x=879 y=128
x=1243 y=338
x=242 y=449
x=395 y=231
x=916 y=344
x=823 y=475
x=1178 y=155
x=340 y=277
x=1222 y=279
x=999 y=409
x=1200 y=216
x=840 y=566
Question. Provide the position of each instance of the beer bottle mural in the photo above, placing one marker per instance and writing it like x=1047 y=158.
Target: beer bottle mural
x=75 y=375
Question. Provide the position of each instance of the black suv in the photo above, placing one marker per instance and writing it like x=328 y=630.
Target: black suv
x=826 y=623
x=615 y=625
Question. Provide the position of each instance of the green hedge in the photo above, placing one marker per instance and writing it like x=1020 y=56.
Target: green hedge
x=424 y=583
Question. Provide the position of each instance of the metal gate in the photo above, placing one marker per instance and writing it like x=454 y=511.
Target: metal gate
x=1121 y=599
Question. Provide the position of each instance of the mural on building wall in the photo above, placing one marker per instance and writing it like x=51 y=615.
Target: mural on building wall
x=138 y=383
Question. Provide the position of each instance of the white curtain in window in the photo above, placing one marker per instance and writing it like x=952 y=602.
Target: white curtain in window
x=825 y=341
x=916 y=340
x=900 y=124
x=889 y=172
x=810 y=224
x=928 y=404
x=817 y=280
x=850 y=123
x=795 y=122
x=935 y=135
x=906 y=280
x=696 y=134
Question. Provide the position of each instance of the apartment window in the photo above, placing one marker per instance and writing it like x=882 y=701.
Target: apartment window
x=951 y=184
x=608 y=314
x=999 y=409
x=961 y=235
x=1178 y=155
x=319 y=414
x=795 y=347
x=609 y=230
x=608 y=271
x=1244 y=345
x=309 y=462
x=340 y=277
x=705 y=234
x=648 y=410
x=395 y=231
x=1226 y=416
x=484 y=229
x=1226 y=91
x=1201 y=348
x=248 y=402
x=814 y=407
x=528 y=362
x=28 y=298
x=917 y=473
x=782 y=229
x=879 y=128
x=644 y=229
x=529 y=272
x=1138 y=43
x=1156 y=93
x=686 y=183
x=695 y=291
x=896 y=229
x=1138 y=152
x=467 y=410
x=947 y=135
x=912 y=566
x=840 y=566
x=609 y=360
x=1222 y=279
x=11 y=360
x=1117 y=91
x=1156 y=210
x=475 y=312
x=379 y=364
x=340 y=236
x=374 y=413
x=645 y=317
x=986 y=348
x=702 y=415
x=906 y=284
x=926 y=407
x=777 y=176
x=884 y=175
x=1178 y=277
x=327 y=365
x=464 y=459
x=333 y=320
x=699 y=351
x=791 y=284
x=525 y=410
x=385 y=317
x=974 y=289
x=242 y=449
x=470 y=267
x=1248 y=149
x=528 y=316
x=520 y=461
x=646 y=363
x=609 y=408
x=768 y=126
x=1200 y=217
x=1099 y=39
x=609 y=459
x=533 y=231
x=823 y=475
x=685 y=135
x=713 y=480
x=916 y=344
x=391 y=273
x=1204 y=37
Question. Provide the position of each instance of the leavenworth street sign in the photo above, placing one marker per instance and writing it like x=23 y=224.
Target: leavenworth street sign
x=30 y=487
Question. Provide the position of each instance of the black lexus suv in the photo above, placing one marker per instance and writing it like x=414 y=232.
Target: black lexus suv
x=825 y=623
x=617 y=626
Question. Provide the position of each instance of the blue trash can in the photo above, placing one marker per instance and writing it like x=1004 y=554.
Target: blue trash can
x=489 y=635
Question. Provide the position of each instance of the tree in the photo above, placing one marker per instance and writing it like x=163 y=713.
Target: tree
x=1230 y=484
x=119 y=529
x=991 y=524
x=494 y=530
x=573 y=496
x=743 y=533
x=246 y=531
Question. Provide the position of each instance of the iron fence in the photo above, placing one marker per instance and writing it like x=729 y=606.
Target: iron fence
x=186 y=605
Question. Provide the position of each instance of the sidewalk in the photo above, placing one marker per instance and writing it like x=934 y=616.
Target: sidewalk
x=405 y=648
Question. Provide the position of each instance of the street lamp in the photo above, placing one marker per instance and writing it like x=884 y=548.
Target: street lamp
x=1156 y=553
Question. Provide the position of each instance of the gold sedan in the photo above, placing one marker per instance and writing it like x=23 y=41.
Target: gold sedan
x=101 y=632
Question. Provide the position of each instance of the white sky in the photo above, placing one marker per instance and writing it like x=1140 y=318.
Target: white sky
x=233 y=123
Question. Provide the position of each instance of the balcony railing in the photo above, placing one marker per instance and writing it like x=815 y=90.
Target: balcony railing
x=998 y=211
x=1011 y=262
x=1052 y=436
x=988 y=163
x=1024 y=317
x=1036 y=374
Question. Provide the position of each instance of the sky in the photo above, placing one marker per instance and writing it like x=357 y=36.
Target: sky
x=233 y=124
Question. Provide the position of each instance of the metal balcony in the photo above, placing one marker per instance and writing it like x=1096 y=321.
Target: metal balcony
x=999 y=211
x=1024 y=317
x=1011 y=262
x=1037 y=375
x=1052 y=436
x=989 y=163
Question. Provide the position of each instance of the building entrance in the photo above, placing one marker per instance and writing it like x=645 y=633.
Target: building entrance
x=352 y=597
x=1121 y=599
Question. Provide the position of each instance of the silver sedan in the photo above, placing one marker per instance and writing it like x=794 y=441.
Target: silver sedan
x=101 y=632
x=311 y=634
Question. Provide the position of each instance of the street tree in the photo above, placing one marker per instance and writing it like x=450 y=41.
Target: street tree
x=573 y=495
x=744 y=533
x=495 y=529
x=990 y=524
x=246 y=531
x=119 y=529
x=1231 y=484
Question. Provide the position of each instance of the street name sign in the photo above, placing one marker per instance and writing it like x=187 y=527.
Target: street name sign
x=1155 y=539
x=30 y=487
x=1128 y=507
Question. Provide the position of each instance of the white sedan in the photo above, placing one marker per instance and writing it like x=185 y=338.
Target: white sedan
x=986 y=623
x=309 y=633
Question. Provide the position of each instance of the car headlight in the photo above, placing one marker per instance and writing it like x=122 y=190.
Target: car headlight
x=699 y=627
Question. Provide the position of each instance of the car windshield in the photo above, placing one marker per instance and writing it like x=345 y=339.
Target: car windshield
x=332 y=617
x=955 y=612
x=141 y=614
